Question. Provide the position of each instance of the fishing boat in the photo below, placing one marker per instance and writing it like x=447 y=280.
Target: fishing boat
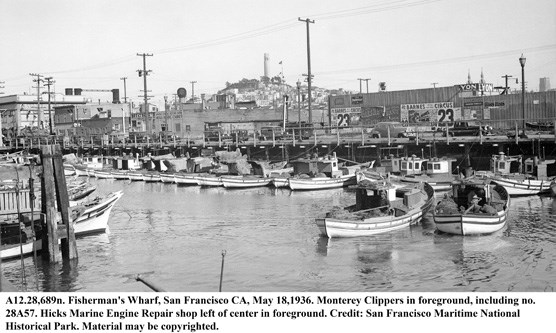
x=182 y=178
x=119 y=174
x=92 y=217
x=209 y=180
x=475 y=207
x=380 y=207
x=530 y=177
x=103 y=174
x=135 y=176
x=438 y=172
x=167 y=178
x=321 y=182
x=151 y=177
x=317 y=173
x=246 y=181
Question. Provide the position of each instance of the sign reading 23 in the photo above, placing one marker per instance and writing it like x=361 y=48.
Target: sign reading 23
x=445 y=115
x=343 y=119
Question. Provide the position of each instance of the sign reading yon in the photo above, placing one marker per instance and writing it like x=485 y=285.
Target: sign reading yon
x=429 y=112
x=476 y=87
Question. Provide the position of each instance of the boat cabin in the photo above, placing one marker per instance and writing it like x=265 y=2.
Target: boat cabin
x=374 y=195
x=384 y=196
x=505 y=165
x=327 y=165
x=540 y=169
x=412 y=165
x=93 y=162
x=534 y=167
x=437 y=166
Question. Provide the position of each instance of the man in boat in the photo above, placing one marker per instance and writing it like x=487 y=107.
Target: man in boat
x=474 y=206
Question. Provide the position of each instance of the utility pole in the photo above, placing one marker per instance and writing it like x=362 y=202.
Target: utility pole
x=367 y=82
x=506 y=85
x=434 y=91
x=38 y=80
x=360 y=87
x=48 y=83
x=309 y=76
x=125 y=92
x=192 y=90
x=144 y=73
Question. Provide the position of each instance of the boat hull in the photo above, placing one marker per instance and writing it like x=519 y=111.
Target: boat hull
x=242 y=182
x=93 y=219
x=186 y=179
x=523 y=187
x=304 y=184
x=208 y=181
x=337 y=227
x=470 y=224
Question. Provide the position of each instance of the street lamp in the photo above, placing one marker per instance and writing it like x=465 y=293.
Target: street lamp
x=522 y=62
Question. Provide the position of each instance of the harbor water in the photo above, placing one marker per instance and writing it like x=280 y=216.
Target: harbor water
x=177 y=236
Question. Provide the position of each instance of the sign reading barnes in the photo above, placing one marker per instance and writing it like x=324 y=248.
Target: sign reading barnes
x=429 y=112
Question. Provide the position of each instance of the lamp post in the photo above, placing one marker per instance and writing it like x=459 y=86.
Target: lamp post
x=522 y=62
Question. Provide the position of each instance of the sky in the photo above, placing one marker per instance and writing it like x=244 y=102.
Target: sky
x=409 y=44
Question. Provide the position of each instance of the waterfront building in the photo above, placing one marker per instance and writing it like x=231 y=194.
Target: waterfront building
x=22 y=111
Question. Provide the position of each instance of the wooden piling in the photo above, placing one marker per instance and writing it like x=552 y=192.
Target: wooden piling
x=69 y=247
x=55 y=198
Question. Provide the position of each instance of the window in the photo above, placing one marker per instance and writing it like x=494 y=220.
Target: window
x=502 y=166
x=436 y=166
x=416 y=165
x=404 y=165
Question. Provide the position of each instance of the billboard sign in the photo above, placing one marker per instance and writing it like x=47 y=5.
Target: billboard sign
x=429 y=113
x=476 y=87
x=345 y=117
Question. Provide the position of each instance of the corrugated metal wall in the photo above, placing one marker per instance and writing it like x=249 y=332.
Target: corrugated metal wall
x=502 y=111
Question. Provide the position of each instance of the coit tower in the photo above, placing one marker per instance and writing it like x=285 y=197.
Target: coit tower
x=266 y=62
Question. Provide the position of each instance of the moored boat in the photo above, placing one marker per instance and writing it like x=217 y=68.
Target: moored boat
x=209 y=180
x=520 y=178
x=103 y=174
x=135 y=176
x=321 y=183
x=380 y=207
x=474 y=207
x=182 y=178
x=92 y=217
x=438 y=172
x=167 y=178
x=246 y=181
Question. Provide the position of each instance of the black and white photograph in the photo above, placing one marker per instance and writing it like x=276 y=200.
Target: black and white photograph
x=215 y=165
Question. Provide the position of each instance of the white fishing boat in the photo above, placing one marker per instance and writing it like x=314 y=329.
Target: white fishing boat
x=120 y=174
x=151 y=177
x=167 y=178
x=182 y=178
x=437 y=172
x=246 y=181
x=379 y=208
x=321 y=183
x=319 y=173
x=520 y=178
x=92 y=218
x=280 y=181
x=135 y=176
x=209 y=180
x=475 y=207
x=103 y=174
